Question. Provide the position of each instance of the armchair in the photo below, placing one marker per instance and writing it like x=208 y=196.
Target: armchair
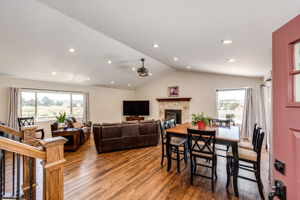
x=85 y=128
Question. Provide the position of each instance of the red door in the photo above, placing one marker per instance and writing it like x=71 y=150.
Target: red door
x=286 y=106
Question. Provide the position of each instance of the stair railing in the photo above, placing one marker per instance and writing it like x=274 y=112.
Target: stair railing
x=23 y=154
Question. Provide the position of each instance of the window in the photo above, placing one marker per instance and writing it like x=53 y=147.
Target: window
x=295 y=73
x=231 y=103
x=46 y=105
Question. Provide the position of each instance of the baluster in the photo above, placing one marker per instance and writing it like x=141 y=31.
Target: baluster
x=31 y=178
x=13 y=174
x=18 y=176
x=1 y=180
x=3 y=171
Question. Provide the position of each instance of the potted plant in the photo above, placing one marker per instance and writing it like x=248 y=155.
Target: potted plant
x=61 y=119
x=201 y=120
x=230 y=117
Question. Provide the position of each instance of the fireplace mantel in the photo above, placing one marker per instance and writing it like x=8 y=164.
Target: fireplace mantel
x=173 y=99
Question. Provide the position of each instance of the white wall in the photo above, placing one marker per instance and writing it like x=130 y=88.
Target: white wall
x=200 y=86
x=105 y=103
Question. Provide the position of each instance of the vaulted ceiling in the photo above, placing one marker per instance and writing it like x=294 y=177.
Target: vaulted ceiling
x=36 y=35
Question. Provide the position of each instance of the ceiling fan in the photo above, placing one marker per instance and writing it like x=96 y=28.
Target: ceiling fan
x=142 y=71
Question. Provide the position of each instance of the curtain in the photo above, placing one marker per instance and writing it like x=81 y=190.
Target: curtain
x=269 y=128
x=86 y=113
x=248 y=115
x=14 y=107
x=260 y=111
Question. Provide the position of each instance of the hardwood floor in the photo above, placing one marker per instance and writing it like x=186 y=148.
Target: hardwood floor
x=137 y=174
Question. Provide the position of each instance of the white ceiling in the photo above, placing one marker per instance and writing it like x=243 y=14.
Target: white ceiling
x=34 y=41
x=35 y=38
x=190 y=29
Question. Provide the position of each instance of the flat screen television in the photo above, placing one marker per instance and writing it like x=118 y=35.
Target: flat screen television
x=135 y=108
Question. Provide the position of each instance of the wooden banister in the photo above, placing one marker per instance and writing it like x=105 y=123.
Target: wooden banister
x=20 y=148
x=11 y=131
x=51 y=153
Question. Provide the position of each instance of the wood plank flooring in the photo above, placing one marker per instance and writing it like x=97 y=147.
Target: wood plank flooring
x=137 y=174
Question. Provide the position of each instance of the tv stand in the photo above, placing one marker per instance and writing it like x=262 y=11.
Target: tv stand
x=132 y=118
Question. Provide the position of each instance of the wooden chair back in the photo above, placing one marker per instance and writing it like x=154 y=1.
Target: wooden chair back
x=202 y=141
x=259 y=144
x=25 y=121
x=221 y=122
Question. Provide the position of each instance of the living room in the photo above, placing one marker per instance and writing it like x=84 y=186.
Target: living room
x=118 y=91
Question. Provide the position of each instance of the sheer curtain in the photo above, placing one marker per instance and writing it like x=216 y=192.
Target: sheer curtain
x=14 y=107
x=248 y=115
x=86 y=113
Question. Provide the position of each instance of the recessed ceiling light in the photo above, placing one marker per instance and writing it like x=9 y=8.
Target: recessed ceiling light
x=112 y=82
x=155 y=45
x=226 y=41
x=230 y=60
x=129 y=85
x=88 y=78
x=150 y=74
x=72 y=50
x=53 y=73
x=175 y=59
x=109 y=61
x=188 y=67
x=133 y=69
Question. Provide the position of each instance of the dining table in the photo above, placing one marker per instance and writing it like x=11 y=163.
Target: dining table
x=228 y=136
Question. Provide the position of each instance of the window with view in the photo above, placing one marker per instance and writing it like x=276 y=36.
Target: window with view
x=45 y=105
x=230 y=104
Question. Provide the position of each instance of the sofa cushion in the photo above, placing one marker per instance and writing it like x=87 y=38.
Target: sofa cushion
x=147 y=121
x=130 y=130
x=114 y=131
x=130 y=122
x=111 y=124
x=77 y=125
x=147 y=128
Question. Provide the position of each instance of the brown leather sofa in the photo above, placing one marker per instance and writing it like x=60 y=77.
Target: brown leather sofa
x=85 y=131
x=126 y=135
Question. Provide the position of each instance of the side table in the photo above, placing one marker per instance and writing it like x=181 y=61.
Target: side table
x=73 y=136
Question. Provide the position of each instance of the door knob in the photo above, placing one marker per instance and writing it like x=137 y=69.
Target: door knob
x=279 y=190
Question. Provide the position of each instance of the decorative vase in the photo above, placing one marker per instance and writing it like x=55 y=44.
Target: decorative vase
x=201 y=125
x=61 y=125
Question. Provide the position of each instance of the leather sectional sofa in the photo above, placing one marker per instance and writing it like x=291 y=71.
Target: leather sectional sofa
x=126 y=135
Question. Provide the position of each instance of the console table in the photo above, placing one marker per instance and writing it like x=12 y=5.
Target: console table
x=134 y=118
x=73 y=136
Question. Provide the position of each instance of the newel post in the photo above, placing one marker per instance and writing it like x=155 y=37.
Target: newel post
x=29 y=164
x=53 y=185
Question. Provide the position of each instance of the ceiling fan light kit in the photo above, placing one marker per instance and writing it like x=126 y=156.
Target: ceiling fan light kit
x=142 y=71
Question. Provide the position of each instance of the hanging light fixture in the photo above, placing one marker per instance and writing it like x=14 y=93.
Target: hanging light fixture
x=142 y=71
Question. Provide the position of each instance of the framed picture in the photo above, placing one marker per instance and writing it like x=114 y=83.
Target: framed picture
x=173 y=91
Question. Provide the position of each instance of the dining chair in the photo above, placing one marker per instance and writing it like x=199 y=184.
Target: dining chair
x=247 y=156
x=175 y=144
x=201 y=145
x=221 y=122
x=28 y=121
x=250 y=145
x=172 y=123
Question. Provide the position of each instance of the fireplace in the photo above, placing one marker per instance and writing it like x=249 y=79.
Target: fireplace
x=173 y=114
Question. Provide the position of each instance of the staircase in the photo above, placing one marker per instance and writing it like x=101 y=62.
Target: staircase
x=19 y=153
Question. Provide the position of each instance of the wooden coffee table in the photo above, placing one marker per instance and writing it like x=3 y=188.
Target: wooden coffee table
x=73 y=136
